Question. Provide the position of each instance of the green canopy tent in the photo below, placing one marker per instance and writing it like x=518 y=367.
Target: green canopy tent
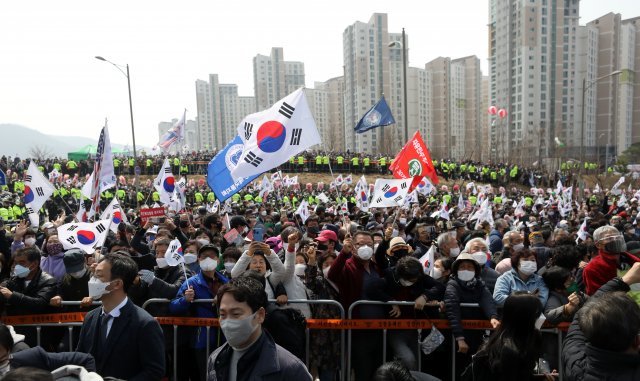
x=89 y=151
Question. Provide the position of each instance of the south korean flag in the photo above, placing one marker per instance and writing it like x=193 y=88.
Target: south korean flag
x=389 y=193
x=272 y=136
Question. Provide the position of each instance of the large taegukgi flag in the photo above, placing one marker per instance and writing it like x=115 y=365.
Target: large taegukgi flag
x=272 y=136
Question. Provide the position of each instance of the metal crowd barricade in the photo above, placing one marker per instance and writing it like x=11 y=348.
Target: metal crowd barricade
x=71 y=303
x=384 y=331
x=343 y=369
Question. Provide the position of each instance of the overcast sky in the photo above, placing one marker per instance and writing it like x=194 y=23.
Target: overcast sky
x=50 y=80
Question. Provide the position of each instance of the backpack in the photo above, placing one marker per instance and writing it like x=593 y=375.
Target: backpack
x=288 y=327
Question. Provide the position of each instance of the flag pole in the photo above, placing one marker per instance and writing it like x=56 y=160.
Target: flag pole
x=344 y=220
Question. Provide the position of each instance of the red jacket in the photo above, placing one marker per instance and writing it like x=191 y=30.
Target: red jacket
x=602 y=269
x=347 y=273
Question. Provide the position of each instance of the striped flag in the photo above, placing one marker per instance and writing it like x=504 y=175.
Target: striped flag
x=174 y=135
x=103 y=162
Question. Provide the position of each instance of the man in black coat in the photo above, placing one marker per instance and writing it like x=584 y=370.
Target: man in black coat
x=604 y=338
x=125 y=340
x=28 y=291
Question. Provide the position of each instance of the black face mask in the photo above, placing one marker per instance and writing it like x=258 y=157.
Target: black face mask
x=400 y=253
x=615 y=247
x=313 y=230
x=184 y=224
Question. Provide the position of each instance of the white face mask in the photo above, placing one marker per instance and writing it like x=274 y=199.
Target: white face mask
x=238 y=331
x=263 y=213
x=365 y=252
x=480 y=257
x=208 y=264
x=203 y=241
x=229 y=266
x=454 y=252
x=97 y=288
x=528 y=267
x=21 y=271
x=30 y=241
x=403 y=221
x=79 y=274
x=300 y=269
x=518 y=247
x=325 y=271
x=245 y=230
x=162 y=263
x=466 y=275
x=406 y=283
x=190 y=258
x=436 y=273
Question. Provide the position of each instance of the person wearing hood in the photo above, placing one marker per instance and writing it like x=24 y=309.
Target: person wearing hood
x=466 y=286
x=496 y=235
x=612 y=253
x=53 y=263
x=204 y=285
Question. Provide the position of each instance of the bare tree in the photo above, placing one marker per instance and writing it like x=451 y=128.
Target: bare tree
x=40 y=152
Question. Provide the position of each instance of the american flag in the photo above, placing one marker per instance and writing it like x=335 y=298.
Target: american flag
x=97 y=167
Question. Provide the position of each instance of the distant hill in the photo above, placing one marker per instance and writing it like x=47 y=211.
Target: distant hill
x=19 y=140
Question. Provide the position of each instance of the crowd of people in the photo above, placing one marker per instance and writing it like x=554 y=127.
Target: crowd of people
x=260 y=263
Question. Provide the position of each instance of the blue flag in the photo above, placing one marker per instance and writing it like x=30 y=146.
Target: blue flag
x=378 y=116
x=3 y=178
x=219 y=171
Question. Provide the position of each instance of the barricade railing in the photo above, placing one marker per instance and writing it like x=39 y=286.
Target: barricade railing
x=75 y=319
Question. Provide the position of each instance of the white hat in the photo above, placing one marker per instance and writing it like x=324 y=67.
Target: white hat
x=153 y=230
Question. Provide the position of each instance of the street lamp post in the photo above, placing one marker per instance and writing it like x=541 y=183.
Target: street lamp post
x=119 y=67
x=586 y=87
x=403 y=45
x=598 y=149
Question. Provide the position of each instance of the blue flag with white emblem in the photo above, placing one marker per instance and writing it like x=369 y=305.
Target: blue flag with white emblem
x=3 y=178
x=219 y=171
x=378 y=116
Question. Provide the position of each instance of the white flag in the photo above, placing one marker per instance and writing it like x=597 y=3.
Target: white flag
x=428 y=260
x=425 y=186
x=165 y=183
x=559 y=187
x=272 y=136
x=583 y=233
x=37 y=190
x=339 y=181
x=215 y=207
x=265 y=187
x=174 y=135
x=361 y=191
x=173 y=255
x=180 y=195
x=323 y=197
x=83 y=235
x=444 y=211
x=303 y=211
x=389 y=192
x=348 y=180
x=102 y=169
x=276 y=176
x=113 y=212
x=461 y=205
x=293 y=180
x=618 y=183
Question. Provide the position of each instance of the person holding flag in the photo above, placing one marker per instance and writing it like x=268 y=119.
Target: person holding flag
x=414 y=160
x=204 y=285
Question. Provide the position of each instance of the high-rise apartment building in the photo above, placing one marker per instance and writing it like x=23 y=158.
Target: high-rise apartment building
x=220 y=110
x=611 y=97
x=274 y=78
x=532 y=49
x=366 y=79
x=325 y=103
